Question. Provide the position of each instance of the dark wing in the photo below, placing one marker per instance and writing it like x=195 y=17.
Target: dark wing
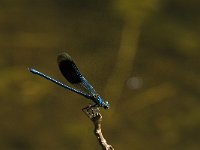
x=71 y=72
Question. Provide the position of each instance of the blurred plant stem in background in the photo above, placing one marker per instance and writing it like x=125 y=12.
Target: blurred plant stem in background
x=133 y=16
x=124 y=62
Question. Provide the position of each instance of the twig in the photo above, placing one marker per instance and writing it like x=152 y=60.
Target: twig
x=97 y=131
x=96 y=118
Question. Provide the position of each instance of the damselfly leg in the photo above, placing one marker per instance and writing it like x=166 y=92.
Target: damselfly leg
x=91 y=111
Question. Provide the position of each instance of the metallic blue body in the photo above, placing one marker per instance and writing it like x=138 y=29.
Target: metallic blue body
x=85 y=89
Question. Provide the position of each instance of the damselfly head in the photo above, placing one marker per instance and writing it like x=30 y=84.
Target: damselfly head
x=106 y=105
x=101 y=102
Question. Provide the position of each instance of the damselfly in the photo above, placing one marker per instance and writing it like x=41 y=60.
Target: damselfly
x=71 y=72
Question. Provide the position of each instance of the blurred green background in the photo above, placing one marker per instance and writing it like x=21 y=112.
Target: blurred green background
x=141 y=56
